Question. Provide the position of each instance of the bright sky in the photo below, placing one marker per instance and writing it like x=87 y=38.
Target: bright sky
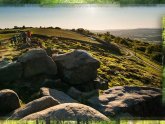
x=88 y=17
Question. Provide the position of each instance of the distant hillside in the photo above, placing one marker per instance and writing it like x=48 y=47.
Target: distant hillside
x=138 y=34
x=138 y=64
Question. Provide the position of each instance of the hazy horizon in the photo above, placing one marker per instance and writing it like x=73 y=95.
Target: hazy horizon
x=87 y=17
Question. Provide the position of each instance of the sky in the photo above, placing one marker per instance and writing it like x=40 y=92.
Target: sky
x=90 y=17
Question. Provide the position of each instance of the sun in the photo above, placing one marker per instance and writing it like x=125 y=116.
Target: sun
x=91 y=9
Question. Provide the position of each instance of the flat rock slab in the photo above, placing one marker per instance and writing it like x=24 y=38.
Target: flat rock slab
x=57 y=95
x=34 y=106
x=127 y=99
x=68 y=111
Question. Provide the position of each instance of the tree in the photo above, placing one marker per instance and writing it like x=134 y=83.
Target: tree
x=16 y=27
x=23 y=27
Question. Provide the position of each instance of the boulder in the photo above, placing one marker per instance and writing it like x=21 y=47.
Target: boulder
x=101 y=84
x=55 y=84
x=75 y=94
x=10 y=72
x=34 y=106
x=58 y=95
x=86 y=87
x=77 y=67
x=49 y=51
x=4 y=62
x=9 y=101
x=36 y=61
x=81 y=96
x=68 y=111
x=138 y=101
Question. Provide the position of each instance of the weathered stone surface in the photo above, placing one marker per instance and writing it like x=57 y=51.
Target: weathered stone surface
x=100 y=84
x=68 y=111
x=77 y=67
x=10 y=72
x=81 y=96
x=9 y=101
x=138 y=101
x=4 y=62
x=34 y=106
x=36 y=61
x=58 y=95
x=55 y=84
x=86 y=87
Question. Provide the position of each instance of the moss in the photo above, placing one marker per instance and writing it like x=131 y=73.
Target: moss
x=116 y=69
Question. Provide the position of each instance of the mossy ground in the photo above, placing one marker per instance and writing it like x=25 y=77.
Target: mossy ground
x=117 y=70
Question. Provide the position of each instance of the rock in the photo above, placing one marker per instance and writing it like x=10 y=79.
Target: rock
x=102 y=85
x=10 y=72
x=81 y=96
x=58 y=95
x=51 y=83
x=36 y=61
x=77 y=67
x=86 y=87
x=55 y=84
x=9 y=101
x=138 y=101
x=34 y=106
x=75 y=94
x=4 y=62
x=68 y=111
x=49 y=51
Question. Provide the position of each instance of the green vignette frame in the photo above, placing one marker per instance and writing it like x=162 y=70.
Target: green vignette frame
x=53 y=2
x=116 y=2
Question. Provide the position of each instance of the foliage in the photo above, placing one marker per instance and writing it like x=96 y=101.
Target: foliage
x=117 y=70
x=157 y=57
x=43 y=2
x=150 y=50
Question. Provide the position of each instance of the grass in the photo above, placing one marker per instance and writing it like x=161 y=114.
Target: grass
x=142 y=122
x=61 y=33
x=116 y=70
x=163 y=89
x=7 y=36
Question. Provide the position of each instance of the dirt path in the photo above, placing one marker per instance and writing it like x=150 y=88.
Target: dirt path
x=129 y=54
x=132 y=54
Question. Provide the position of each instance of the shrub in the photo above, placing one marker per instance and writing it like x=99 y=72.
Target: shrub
x=141 y=48
x=157 y=57
x=57 y=28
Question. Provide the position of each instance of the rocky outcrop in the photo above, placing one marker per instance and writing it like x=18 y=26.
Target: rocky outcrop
x=10 y=72
x=58 y=95
x=100 y=84
x=55 y=84
x=81 y=96
x=4 y=62
x=34 y=106
x=77 y=67
x=68 y=111
x=9 y=101
x=32 y=63
x=138 y=101
x=35 y=62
